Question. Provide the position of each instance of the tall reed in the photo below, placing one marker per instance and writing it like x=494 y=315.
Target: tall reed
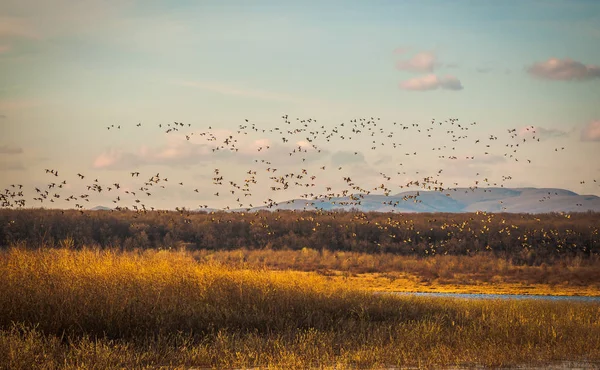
x=106 y=309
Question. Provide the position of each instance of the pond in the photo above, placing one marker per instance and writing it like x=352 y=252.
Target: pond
x=505 y=296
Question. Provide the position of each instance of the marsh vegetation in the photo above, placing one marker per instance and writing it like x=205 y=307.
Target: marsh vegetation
x=106 y=309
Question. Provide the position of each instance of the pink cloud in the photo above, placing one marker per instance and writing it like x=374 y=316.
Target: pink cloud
x=565 y=69
x=431 y=82
x=4 y=48
x=420 y=62
x=17 y=27
x=179 y=151
x=401 y=50
x=591 y=132
x=172 y=154
x=16 y=104
x=107 y=159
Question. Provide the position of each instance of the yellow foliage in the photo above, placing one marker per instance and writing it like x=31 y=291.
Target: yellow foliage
x=105 y=309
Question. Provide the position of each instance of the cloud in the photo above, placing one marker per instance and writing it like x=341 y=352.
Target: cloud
x=2 y=116
x=11 y=166
x=346 y=157
x=240 y=91
x=59 y=17
x=550 y=132
x=114 y=159
x=591 y=132
x=17 y=104
x=4 y=48
x=420 y=62
x=8 y=149
x=386 y=159
x=487 y=159
x=179 y=151
x=541 y=132
x=476 y=159
x=172 y=154
x=565 y=70
x=466 y=169
x=432 y=82
x=17 y=27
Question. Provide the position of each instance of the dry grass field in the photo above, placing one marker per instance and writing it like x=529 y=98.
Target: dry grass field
x=481 y=273
x=102 y=309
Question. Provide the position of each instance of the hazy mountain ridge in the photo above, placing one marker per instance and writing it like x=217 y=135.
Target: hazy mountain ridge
x=458 y=200
x=100 y=208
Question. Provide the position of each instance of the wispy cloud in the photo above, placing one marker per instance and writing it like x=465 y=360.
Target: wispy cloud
x=542 y=132
x=11 y=166
x=9 y=149
x=432 y=82
x=564 y=70
x=240 y=91
x=477 y=159
x=12 y=28
x=466 y=168
x=16 y=27
x=346 y=157
x=41 y=20
x=172 y=155
x=420 y=62
x=483 y=69
x=549 y=132
x=401 y=50
x=180 y=152
x=591 y=132
x=16 y=104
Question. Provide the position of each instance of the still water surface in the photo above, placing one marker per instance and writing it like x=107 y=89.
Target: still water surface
x=506 y=296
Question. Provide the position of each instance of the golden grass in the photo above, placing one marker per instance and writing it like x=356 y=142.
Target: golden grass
x=102 y=309
x=458 y=274
x=406 y=282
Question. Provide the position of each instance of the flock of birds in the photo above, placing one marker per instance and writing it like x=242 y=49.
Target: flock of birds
x=294 y=165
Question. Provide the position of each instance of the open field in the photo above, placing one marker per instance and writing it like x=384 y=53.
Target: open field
x=107 y=309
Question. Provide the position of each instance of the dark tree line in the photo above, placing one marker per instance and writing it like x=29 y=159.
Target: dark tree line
x=522 y=237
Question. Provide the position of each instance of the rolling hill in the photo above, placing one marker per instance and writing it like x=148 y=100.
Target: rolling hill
x=513 y=200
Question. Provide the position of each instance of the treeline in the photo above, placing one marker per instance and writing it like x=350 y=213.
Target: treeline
x=525 y=238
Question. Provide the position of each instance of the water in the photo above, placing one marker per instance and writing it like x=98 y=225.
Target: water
x=572 y=365
x=506 y=296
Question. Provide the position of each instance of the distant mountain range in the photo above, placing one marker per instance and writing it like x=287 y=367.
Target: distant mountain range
x=457 y=200
x=100 y=208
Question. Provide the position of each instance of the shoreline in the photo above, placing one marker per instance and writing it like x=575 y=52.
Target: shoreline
x=408 y=283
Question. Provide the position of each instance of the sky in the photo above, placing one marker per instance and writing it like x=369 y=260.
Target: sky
x=77 y=77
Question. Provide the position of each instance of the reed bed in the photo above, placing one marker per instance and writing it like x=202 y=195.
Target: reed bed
x=449 y=269
x=103 y=309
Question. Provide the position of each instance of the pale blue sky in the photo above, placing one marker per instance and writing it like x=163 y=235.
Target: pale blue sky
x=69 y=69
